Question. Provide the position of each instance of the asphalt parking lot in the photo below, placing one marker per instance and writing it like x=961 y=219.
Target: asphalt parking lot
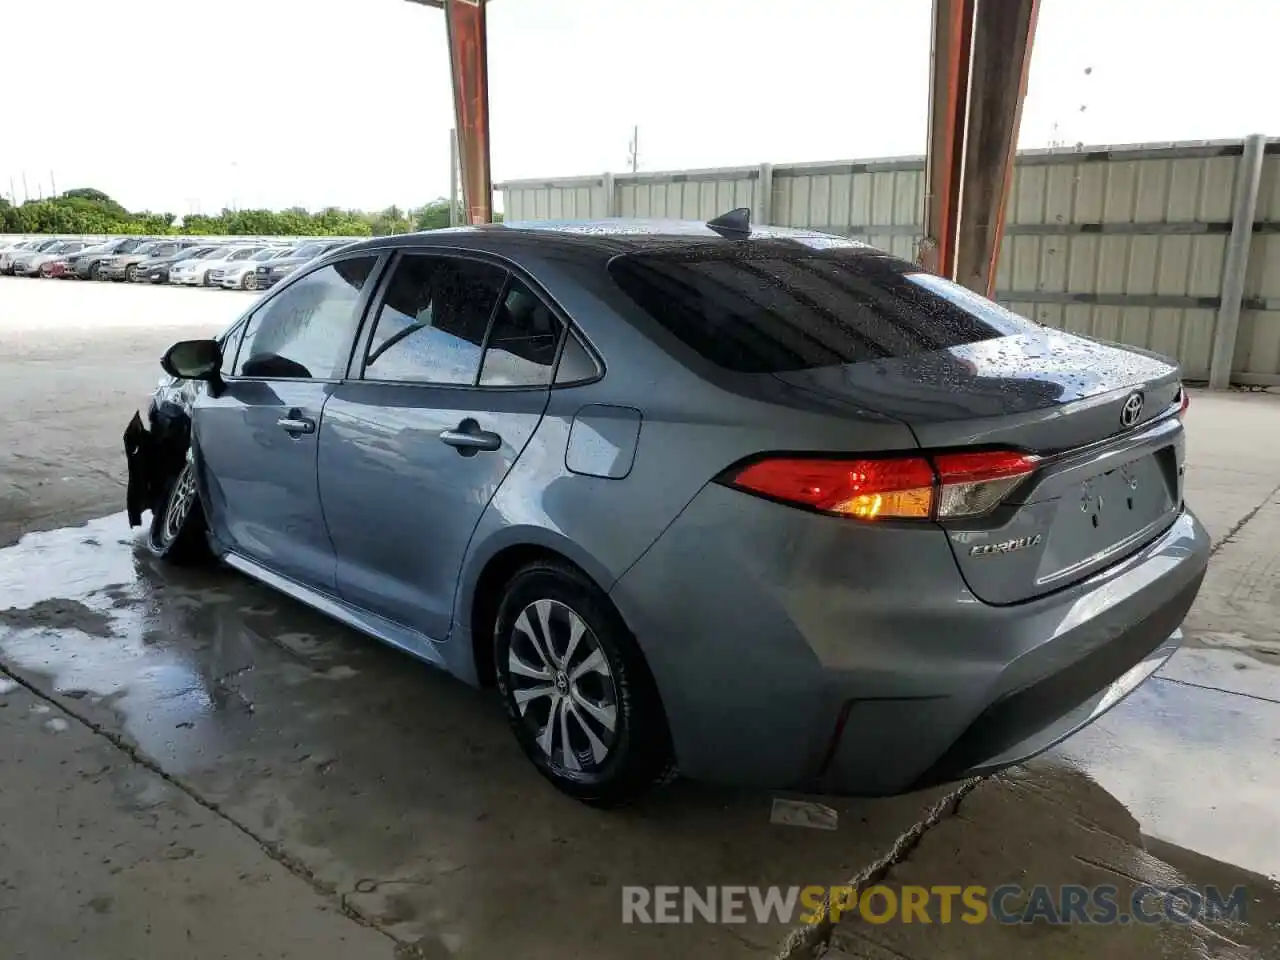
x=195 y=766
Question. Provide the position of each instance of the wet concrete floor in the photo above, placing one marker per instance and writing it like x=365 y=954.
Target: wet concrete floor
x=191 y=765
x=396 y=788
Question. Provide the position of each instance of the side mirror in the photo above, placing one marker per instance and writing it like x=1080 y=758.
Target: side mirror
x=194 y=360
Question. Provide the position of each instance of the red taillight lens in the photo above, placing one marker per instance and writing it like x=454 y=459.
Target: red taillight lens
x=896 y=487
x=952 y=485
x=1185 y=401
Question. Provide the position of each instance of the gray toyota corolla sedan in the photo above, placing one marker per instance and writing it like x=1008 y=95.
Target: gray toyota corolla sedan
x=764 y=506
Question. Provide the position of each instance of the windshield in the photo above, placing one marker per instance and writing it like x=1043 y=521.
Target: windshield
x=243 y=254
x=265 y=254
x=193 y=253
x=310 y=250
x=769 y=307
x=146 y=248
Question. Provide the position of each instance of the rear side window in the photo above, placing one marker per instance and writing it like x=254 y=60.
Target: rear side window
x=521 y=351
x=431 y=324
x=768 y=308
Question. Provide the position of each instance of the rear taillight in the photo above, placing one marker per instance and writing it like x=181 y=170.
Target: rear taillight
x=971 y=484
x=942 y=486
x=897 y=487
x=1184 y=401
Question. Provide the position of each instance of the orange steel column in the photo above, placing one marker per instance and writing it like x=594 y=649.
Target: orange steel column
x=469 y=66
x=948 y=119
x=469 y=71
x=981 y=58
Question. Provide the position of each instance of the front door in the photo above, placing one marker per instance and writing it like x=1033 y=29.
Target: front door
x=257 y=440
x=413 y=448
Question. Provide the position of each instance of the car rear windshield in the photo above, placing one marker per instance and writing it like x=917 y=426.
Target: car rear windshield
x=777 y=306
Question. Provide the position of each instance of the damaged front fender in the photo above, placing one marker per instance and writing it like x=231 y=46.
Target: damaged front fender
x=156 y=450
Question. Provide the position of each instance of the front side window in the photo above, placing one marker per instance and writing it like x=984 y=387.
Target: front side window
x=305 y=332
x=432 y=321
x=521 y=351
x=230 y=346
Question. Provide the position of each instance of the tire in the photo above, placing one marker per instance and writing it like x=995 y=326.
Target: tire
x=177 y=531
x=603 y=679
x=131 y=274
x=204 y=281
x=93 y=271
x=249 y=281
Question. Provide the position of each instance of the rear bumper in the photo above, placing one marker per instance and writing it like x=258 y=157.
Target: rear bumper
x=798 y=651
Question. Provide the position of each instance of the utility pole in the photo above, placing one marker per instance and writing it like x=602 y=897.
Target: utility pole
x=26 y=194
x=13 y=194
x=633 y=149
x=53 y=185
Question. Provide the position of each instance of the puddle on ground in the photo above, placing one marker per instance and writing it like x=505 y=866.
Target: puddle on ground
x=1195 y=762
x=115 y=629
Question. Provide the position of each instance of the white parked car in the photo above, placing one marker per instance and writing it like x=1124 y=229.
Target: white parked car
x=242 y=274
x=29 y=262
x=199 y=273
x=22 y=247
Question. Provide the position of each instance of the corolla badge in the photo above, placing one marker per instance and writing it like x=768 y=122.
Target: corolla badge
x=1005 y=546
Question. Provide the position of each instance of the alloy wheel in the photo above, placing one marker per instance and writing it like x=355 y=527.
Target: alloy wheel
x=250 y=281
x=181 y=500
x=563 y=686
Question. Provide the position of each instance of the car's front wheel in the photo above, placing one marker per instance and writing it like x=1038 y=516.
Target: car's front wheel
x=177 y=531
x=249 y=281
x=578 y=693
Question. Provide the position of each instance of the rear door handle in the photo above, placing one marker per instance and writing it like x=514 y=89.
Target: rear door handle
x=469 y=439
x=295 y=423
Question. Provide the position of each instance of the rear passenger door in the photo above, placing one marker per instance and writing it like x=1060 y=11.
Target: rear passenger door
x=450 y=380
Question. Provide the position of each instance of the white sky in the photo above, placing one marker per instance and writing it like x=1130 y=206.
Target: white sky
x=347 y=102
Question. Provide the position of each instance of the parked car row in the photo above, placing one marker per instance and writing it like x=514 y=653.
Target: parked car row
x=184 y=261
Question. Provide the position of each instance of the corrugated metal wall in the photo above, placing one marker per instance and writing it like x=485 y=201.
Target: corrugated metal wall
x=1123 y=243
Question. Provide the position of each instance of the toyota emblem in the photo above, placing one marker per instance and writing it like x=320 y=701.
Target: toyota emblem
x=1131 y=412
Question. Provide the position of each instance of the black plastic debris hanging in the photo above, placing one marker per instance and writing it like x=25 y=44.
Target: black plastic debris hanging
x=734 y=225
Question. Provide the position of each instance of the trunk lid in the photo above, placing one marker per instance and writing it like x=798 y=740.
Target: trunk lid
x=1102 y=417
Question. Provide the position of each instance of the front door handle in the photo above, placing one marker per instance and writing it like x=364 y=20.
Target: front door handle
x=295 y=423
x=469 y=439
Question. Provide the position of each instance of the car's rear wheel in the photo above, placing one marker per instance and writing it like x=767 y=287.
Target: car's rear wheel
x=577 y=691
x=177 y=531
